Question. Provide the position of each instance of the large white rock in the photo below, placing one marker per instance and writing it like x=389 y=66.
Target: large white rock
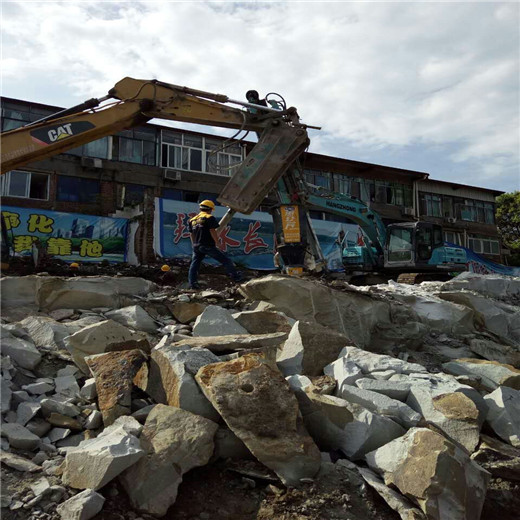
x=95 y=462
x=82 y=506
x=45 y=332
x=394 y=389
x=334 y=424
x=217 y=321
x=491 y=285
x=492 y=373
x=175 y=441
x=172 y=378
x=453 y=412
x=22 y=352
x=380 y=404
x=504 y=414
x=89 y=292
x=370 y=362
x=134 y=317
x=344 y=371
x=498 y=318
x=99 y=338
x=309 y=348
x=434 y=473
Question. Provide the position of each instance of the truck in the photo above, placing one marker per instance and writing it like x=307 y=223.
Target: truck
x=272 y=166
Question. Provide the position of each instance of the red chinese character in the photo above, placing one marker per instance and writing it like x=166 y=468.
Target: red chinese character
x=224 y=241
x=251 y=239
x=181 y=230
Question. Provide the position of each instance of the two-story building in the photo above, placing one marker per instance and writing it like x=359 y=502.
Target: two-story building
x=132 y=167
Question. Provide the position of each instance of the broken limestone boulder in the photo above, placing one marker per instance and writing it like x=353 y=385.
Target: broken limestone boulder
x=95 y=462
x=186 y=312
x=45 y=332
x=337 y=424
x=394 y=389
x=90 y=292
x=492 y=373
x=114 y=373
x=216 y=321
x=504 y=414
x=22 y=352
x=434 y=473
x=234 y=342
x=174 y=441
x=309 y=348
x=356 y=315
x=257 y=404
x=83 y=506
x=105 y=336
x=264 y=322
x=500 y=459
x=492 y=351
x=498 y=318
x=20 y=437
x=505 y=288
x=134 y=317
x=453 y=412
x=171 y=378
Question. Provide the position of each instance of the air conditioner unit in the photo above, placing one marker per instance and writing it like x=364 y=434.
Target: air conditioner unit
x=91 y=162
x=451 y=220
x=172 y=175
x=408 y=211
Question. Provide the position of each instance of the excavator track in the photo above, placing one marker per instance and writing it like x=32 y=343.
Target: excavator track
x=417 y=278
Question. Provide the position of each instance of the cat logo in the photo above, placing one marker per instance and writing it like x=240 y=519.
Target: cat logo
x=62 y=132
x=54 y=133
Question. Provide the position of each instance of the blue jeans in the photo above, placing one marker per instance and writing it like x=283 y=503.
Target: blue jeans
x=200 y=252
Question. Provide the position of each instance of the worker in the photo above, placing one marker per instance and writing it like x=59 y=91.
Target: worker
x=203 y=234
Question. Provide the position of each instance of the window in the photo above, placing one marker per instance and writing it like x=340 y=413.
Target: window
x=15 y=115
x=453 y=238
x=172 y=194
x=200 y=154
x=431 y=205
x=78 y=189
x=476 y=211
x=97 y=149
x=400 y=245
x=27 y=185
x=134 y=194
x=318 y=178
x=136 y=146
x=484 y=245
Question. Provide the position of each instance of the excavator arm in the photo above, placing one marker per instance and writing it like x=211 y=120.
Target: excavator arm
x=281 y=137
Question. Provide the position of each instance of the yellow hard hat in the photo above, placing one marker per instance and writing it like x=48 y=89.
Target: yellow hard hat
x=165 y=268
x=208 y=204
x=74 y=265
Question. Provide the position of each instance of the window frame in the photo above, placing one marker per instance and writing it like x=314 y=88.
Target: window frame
x=6 y=185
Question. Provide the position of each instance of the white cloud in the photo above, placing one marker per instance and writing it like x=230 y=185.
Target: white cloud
x=376 y=76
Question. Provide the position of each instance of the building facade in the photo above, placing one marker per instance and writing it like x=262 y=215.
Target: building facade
x=122 y=174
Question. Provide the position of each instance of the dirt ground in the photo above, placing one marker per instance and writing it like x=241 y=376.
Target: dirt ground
x=215 y=492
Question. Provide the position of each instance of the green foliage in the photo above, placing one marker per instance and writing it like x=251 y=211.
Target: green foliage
x=508 y=223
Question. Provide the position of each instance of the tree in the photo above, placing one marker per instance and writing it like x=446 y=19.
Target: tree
x=508 y=223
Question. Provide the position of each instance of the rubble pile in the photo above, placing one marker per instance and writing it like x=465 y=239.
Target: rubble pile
x=302 y=399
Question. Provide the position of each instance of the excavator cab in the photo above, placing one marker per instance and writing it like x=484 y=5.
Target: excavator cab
x=419 y=246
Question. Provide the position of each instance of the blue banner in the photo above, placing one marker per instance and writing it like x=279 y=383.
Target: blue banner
x=71 y=237
x=247 y=240
x=480 y=265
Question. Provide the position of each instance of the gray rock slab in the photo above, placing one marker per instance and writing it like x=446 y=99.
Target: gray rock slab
x=83 y=506
x=247 y=390
x=381 y=404
x=264 y=322
x=492 y=373
x=433 y=472
x=22 y=352
x=504 y=414
x=493 y=351
x=134 y=317
x=20 y=437
x=45 y=332
x=88 y=390
x=66 y=385
x=58 y=434
x=5 y=396
x=26 y=411
x=217 y=321
x=175 y=441
x=53 y=405
x=38 y=388
x=237 y=342
x=96 y=462
x=393 y=389
x=18 y=463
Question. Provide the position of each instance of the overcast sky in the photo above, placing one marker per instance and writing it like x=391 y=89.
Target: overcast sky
x=426 y=86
